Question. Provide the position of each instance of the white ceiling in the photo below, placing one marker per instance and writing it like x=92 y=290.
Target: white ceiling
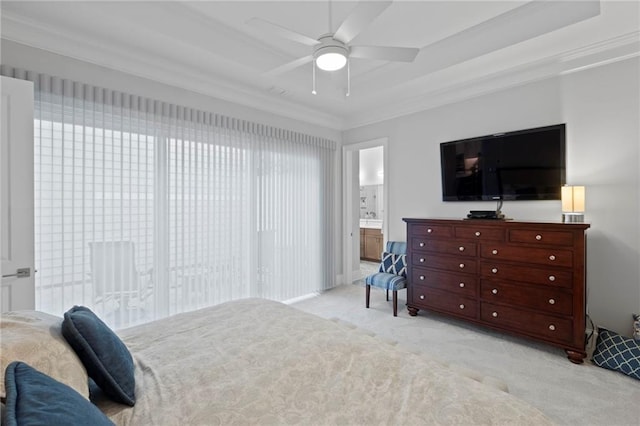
x=466 y=48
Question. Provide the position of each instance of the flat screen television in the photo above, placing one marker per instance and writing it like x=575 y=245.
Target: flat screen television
x=522 y=165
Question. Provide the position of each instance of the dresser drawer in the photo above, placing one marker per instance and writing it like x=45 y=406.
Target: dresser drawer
x=445 y=302
x=462 y=248
x=479 y=233
x=547 y=326
x=541 y=237
x=447 y=263
x=527 y=274
x=543 y=256
x=456 y=283
x=431 y=230
x=535 y=297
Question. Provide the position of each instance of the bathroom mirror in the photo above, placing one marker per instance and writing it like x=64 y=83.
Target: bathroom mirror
x=371 y=202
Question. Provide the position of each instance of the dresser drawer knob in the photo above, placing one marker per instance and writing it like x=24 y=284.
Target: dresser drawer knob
x=478 y=233
x=461 y=285
x=552 y=278
x=421 y=244
x=461 y=248
x=552 y=327
x=421 y=277
x=422 y=297
x=429 y=231
x=494 y=270
x=552 y=257
x=461 y=266
x=461 y=306
x=494 y=314
x=494 y=291
x=538 y=237
x=422 y=260
x=552 y=301
x=494 y=251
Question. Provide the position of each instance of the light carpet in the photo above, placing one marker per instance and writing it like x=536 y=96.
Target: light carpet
x=539 y=374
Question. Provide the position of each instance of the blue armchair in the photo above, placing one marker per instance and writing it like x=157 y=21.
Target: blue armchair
x=392 y=274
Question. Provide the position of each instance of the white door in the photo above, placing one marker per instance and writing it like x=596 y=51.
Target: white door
x=16 y=195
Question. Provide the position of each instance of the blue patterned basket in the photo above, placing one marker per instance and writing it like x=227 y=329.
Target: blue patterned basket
x=616 y=352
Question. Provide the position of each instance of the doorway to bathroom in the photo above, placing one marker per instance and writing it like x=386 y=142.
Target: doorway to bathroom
x=365 y=207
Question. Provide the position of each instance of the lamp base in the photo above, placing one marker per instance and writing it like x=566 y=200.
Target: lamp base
x=572 y=217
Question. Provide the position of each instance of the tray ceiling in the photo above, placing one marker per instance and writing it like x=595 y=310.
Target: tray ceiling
x=466 y=48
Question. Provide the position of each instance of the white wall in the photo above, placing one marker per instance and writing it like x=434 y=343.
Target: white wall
x=601 y=109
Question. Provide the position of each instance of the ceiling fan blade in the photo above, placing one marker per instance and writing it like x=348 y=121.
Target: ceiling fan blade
x=397 y=54
x=363 y=14
x=281 y=31
x=290 y=66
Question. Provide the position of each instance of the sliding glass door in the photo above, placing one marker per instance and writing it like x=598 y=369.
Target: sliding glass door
x=145 y=209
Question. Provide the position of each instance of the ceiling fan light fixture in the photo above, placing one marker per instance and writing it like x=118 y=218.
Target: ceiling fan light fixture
x=331 y=61
x=330 y=55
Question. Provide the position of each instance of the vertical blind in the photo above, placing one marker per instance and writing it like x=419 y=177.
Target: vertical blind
x=145 y=209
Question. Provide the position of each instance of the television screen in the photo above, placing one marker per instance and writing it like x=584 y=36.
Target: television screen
x=522 y=165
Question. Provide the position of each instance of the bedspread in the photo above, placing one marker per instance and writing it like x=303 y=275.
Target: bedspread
x=261 y=362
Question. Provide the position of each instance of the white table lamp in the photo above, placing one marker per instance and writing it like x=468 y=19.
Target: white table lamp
x=573 y=203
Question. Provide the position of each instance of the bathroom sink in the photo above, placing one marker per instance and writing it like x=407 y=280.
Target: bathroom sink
x=371 y=223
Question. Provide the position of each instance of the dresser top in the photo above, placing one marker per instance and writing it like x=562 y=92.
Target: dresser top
x=498 y=222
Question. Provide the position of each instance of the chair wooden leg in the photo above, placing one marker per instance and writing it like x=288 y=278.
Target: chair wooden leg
x=395 y=303
x=367 y=292
x=387 y=295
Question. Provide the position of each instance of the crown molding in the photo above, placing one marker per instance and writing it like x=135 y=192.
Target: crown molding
x=616 y=49
x=141 y=64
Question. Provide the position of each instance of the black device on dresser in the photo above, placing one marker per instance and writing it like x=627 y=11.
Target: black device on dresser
x=524 y=278
x=485 y=214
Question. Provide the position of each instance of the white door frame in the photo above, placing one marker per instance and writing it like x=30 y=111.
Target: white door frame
x=350 y=200
x=17 y=289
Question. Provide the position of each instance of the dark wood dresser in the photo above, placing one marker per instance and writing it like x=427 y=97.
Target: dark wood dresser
x=525 y=278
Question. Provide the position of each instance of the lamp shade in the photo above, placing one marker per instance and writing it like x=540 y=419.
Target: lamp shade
x=573 y=199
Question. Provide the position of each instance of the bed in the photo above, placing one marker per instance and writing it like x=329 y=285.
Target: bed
x=255 y=361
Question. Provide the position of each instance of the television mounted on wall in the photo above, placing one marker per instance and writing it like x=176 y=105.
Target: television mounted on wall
x=521 y=165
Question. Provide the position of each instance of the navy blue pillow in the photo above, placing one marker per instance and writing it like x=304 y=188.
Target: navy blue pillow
x=393 y=263
x=106 y=358
x=33 y=398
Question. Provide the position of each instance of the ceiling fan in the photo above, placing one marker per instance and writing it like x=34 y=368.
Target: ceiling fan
x=332 y=51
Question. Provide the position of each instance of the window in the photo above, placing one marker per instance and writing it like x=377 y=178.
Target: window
x=145 y=209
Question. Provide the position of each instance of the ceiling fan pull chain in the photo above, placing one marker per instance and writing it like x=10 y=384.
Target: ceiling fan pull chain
x=348 y=76
x=313 y=89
